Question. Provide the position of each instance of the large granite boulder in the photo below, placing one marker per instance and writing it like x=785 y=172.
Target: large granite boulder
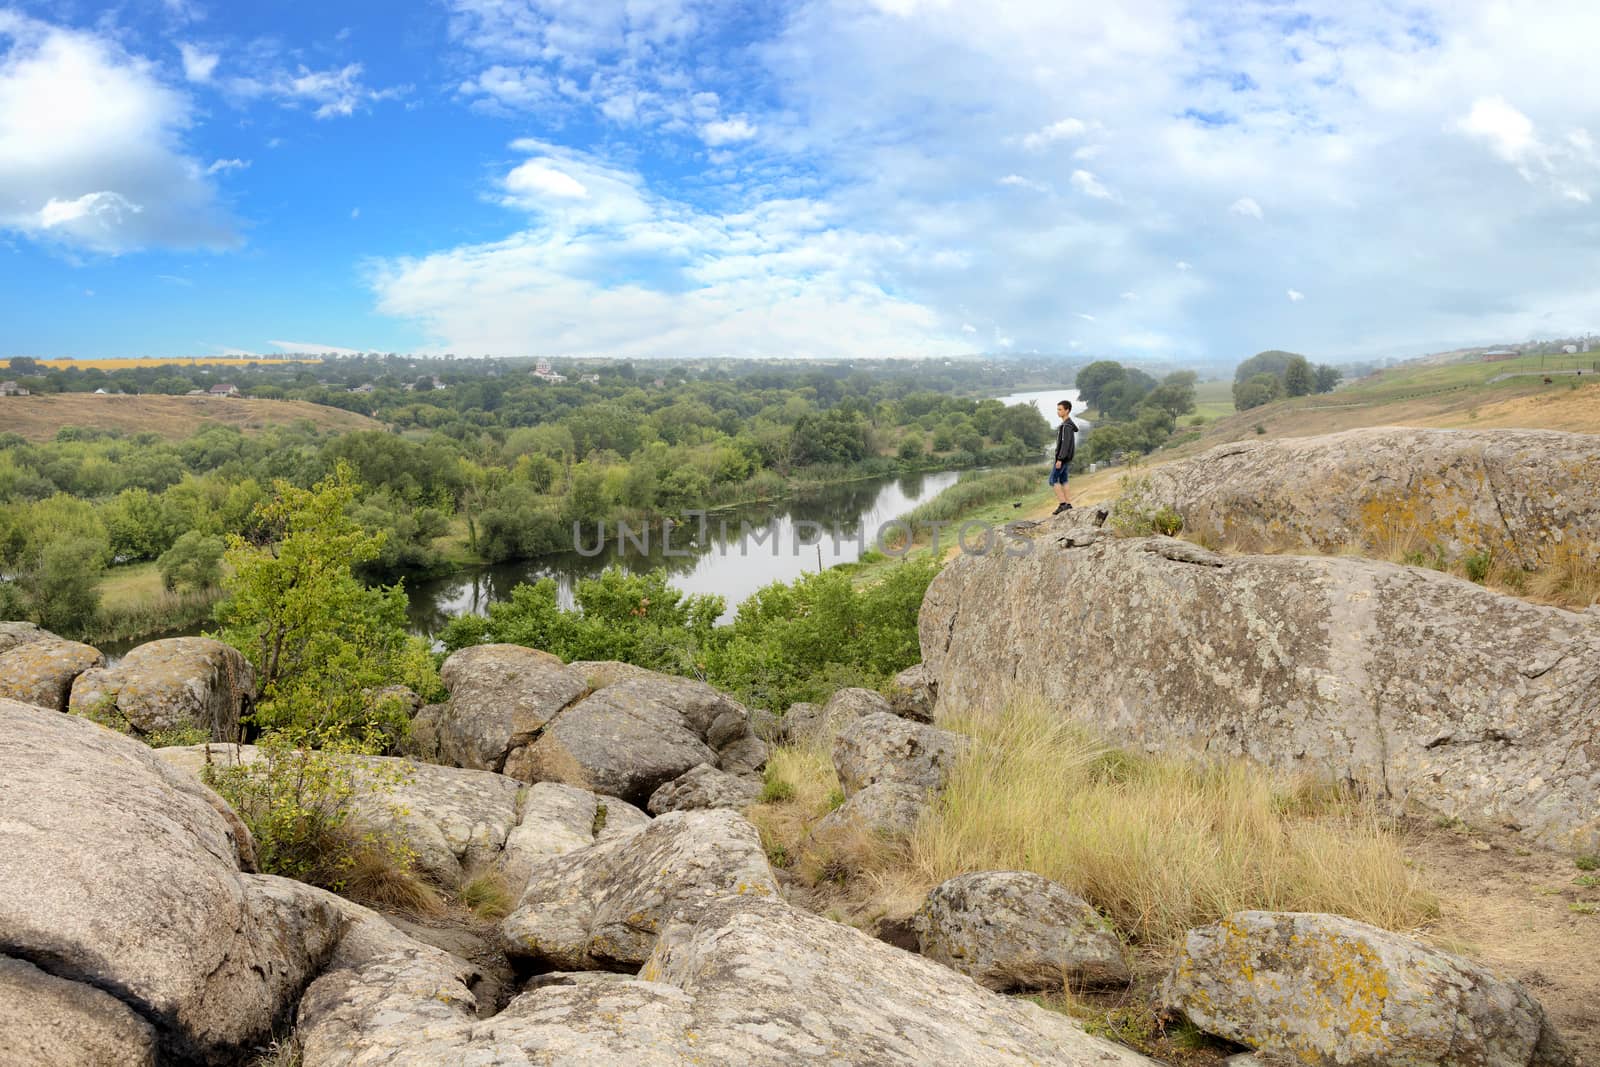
x=38 y=668
x=1516 y=493
x=120 y=874
x=915 y=693
x=889 y=809
x=882 y=747
x=557 y=819
x=1407 y=681
x=1015 y=930
x=1326 y=991
x=752 y=981
x=501 y=697
x=181 y=683
x=456 y=821
x=601 y=908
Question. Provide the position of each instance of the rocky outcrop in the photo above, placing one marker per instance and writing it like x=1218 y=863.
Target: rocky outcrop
x=1325 y=990
x=1514 y=492
x=119 y=875
x=703 y=786
x=881 y=747
x=38 y=668
x=1407 y=681
x=752 y=981
x=608 y=727
x=557 y=819
x=600 y=908
x=165 y=686
x=454 y=820
x=804 y=722
x=1015 y=930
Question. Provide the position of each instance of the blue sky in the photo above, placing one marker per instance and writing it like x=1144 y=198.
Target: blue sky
x=1148 y=179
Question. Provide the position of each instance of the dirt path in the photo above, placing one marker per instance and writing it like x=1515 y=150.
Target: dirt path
x=1512 y=907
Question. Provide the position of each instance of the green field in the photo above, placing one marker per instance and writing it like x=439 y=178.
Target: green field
x=1412 y=381
x=1214 y=399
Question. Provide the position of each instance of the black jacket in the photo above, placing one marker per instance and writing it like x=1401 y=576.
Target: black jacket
x=1066 y=441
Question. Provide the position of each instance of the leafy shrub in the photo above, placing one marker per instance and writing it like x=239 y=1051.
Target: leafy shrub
x=1135 y=515
x=193 y=562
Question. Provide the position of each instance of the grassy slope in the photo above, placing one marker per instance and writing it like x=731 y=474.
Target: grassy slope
x=39 y=417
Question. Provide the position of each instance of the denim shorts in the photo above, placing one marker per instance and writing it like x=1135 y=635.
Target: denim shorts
x=1058 y=475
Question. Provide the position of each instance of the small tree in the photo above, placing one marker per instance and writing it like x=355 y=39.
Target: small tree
x=193 y=562
x=1298 y=378
x=1327 y=378
x=315 y=635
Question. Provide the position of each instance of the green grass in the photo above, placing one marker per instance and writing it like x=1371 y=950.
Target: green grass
x=1213 y=400
x=1409 y=381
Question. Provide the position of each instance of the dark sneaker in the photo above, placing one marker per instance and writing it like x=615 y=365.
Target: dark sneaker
x=1060 y=508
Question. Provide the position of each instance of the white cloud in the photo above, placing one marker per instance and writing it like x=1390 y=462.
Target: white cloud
x=1017 y=181
x=727 y=131
x=1087 y=184
x=1508 y=131
x=198 y=65
x=355 y=213
x=333 y=93
x=1130 y=295
x=1295 y=296
x=309 y=348
x=1184 y=265
x=1087 y=317
x=1246 y=207
x=778 y=278
x=222 y=165
x=1056 y=131
x=91 y=147
x=1568 y=164
x=509 y=88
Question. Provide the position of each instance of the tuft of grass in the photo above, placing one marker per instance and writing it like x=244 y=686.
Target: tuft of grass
x=1159 y=844
x=487 y=896
x=1586 y=863
x=375 y=876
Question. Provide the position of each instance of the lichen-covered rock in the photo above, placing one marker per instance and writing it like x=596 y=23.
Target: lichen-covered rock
x=180 y=683
x=455 y=820
x=882 y=747
x=1517 y=493
x=13 y=634
x=600 y=908
x=703 y=786
x=47 y=1022
x=1404 y=680
x=887 y=808
x=1325 y=990
x=557 y=819
x=40 y=669
x=852 y=703
x=639 y=732
x=915 y=693
x=1015 y=930
x=501 y=697
x=801 y=721
x=120 y=873
x=752 y=982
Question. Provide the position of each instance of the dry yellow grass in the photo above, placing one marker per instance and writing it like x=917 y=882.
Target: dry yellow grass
x=194 y=361
x=39 y=417
x=1159 y=845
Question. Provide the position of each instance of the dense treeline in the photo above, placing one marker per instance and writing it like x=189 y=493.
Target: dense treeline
x=1135 y=412
x=512 y=465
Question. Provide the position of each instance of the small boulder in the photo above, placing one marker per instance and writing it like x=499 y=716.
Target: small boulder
x=887 y=808
x=1326 y=990
x=914 y=693
x=501 y=696
x=801 y=722
x=703 y=786
x=600 y=908
x=1014 y=930
x=182 y=683
x=13 y=634
x=881 y=747
x=39 y=668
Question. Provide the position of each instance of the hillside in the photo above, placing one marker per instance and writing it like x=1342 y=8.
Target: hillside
x=39 y=417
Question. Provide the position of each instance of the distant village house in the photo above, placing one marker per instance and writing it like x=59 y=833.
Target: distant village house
x=543 y=371
x=12 y=389
x=225 y=389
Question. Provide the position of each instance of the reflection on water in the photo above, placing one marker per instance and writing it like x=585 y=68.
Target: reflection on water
x=1046 y=400
x=734 y=553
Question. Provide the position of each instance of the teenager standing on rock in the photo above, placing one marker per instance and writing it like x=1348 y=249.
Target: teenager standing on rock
x=1066 y=445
